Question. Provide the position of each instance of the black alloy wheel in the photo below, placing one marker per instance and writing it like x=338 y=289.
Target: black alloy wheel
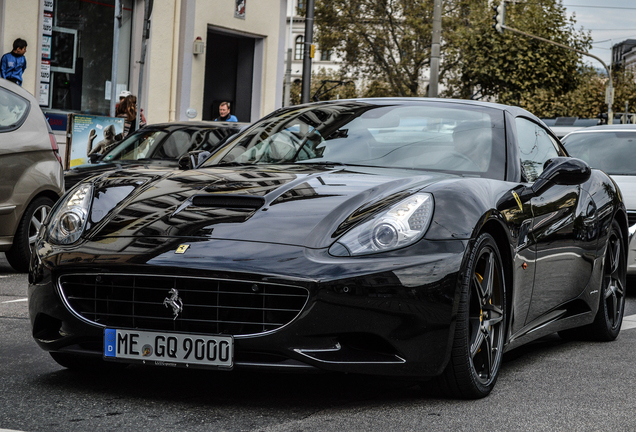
x=19 y=255
x=609 y=317
x=481 y=322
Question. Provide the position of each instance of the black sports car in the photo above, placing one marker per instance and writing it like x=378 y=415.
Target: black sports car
x=158 y=145
x=402 y=237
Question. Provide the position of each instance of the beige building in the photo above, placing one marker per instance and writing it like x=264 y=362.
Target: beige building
x=199 y=53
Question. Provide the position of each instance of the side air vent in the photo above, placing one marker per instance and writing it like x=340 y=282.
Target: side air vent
x=228 y=201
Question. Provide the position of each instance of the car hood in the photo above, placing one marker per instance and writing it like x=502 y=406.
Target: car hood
x=81 y=172
x=627 y=185
x=295 y=205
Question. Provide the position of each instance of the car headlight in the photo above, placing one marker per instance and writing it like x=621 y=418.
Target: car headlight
x=68 y=221
x=401 y=225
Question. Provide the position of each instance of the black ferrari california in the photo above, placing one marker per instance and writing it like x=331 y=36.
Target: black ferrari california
x=417 y=238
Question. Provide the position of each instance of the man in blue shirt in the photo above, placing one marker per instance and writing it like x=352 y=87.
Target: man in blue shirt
x=13 y=64
x=224 y=110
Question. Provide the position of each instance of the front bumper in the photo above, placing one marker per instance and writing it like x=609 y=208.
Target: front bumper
x=387 y=315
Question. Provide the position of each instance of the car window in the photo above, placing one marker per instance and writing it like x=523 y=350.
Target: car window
x=606 y=150
x=177 y=143
x=437 y=137
x=210 y=139
x=138 y=146
x=535 y=147
x=13 y=110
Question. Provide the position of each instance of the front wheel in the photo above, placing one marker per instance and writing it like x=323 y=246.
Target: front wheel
x=609 y=317
x=19 y=255
x=480 y=328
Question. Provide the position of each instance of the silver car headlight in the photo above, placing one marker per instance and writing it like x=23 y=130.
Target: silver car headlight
x=401 y=225
x=69 y=220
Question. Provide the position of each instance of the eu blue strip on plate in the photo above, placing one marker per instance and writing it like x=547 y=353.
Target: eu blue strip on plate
x=110 y=336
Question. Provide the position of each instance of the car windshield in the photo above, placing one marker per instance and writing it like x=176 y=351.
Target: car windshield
x=609 y=151
x=138 y=146
x=163 y=144
x=430 y=136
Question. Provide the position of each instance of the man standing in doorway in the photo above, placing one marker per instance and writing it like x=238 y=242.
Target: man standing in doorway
x=13 y=64
x=224 y=110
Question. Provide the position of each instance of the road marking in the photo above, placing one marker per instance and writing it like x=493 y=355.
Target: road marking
x=14 y=301
x=629 y=322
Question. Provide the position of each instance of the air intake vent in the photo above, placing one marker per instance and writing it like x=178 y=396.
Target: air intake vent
x=228 y=201
x=211 y=306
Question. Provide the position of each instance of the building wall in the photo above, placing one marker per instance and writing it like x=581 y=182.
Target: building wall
x=21 y=20
x=264 y=19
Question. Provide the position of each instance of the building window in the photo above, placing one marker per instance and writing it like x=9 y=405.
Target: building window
x=300 y=9
x=300 y=46
x=80 y=55
x=325 y=55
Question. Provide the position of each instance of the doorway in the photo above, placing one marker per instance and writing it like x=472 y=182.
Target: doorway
x=229 y=74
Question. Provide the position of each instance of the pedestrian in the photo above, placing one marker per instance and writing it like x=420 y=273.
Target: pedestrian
x=224 y=110
x=128 y=110
x=122 y=96
x=13 y=64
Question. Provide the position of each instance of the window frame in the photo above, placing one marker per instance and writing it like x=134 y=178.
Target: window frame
x=25 y=114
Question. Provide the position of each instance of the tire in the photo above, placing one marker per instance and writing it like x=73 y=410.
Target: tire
x=478 y=342
x=85 y=363
x=608 y=320
x=19 y=255
x=609 y=317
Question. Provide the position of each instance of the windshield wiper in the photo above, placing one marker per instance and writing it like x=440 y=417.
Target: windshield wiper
x=227 y=164
x=317 y=162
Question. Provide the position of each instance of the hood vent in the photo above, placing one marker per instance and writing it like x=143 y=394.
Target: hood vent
x=228 y=201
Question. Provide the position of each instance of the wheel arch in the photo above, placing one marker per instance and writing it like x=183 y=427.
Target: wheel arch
x=621 y=217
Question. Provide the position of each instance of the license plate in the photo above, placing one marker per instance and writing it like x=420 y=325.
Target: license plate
x=169 y=349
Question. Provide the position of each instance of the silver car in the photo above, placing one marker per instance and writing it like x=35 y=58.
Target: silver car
x=611 y=149
x=31 y=174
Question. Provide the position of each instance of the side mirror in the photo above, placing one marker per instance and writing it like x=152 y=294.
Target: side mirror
x=562 y=171
x=192 y=159
x=95 y=157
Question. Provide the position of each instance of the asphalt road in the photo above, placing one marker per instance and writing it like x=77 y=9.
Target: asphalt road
x=549 y=385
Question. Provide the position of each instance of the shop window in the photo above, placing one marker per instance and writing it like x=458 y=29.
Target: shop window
x=81 y=54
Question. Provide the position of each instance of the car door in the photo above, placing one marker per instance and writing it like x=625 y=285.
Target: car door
x=564 y=259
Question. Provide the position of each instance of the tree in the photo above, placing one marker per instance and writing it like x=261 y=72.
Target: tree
x=345 y=91
x=387 y=41
x=509 y=67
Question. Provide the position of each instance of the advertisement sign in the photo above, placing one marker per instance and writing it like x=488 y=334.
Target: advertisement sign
x=89 y=134
x=47 y=26
x=57 y=121
x=45 y=71
x=239 y=9
x=44 y=94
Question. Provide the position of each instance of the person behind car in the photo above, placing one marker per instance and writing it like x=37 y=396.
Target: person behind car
x=128 y=110
x=224 y=110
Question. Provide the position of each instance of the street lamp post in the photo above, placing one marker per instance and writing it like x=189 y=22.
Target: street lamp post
x=309 y=38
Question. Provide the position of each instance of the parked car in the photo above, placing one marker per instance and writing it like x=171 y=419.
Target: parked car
x=407 y=237
x=610 y=148
x=156 y=145
x=30 y=173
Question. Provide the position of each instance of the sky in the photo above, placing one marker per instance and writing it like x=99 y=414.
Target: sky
x=610 y=21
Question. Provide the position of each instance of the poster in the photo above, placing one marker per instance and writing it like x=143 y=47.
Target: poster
x=47 y=26
x=239 y=9
x=45 y=71
x=87 y=132
x=44 y=94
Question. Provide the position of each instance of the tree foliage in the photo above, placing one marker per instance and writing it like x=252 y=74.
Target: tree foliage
x=345 y=91
x=380 y=40
x=510 y=67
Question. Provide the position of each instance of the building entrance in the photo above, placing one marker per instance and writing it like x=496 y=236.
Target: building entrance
x=229 y=73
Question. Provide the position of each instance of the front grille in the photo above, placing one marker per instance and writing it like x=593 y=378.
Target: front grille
x=631 y=218
x=210 y=306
